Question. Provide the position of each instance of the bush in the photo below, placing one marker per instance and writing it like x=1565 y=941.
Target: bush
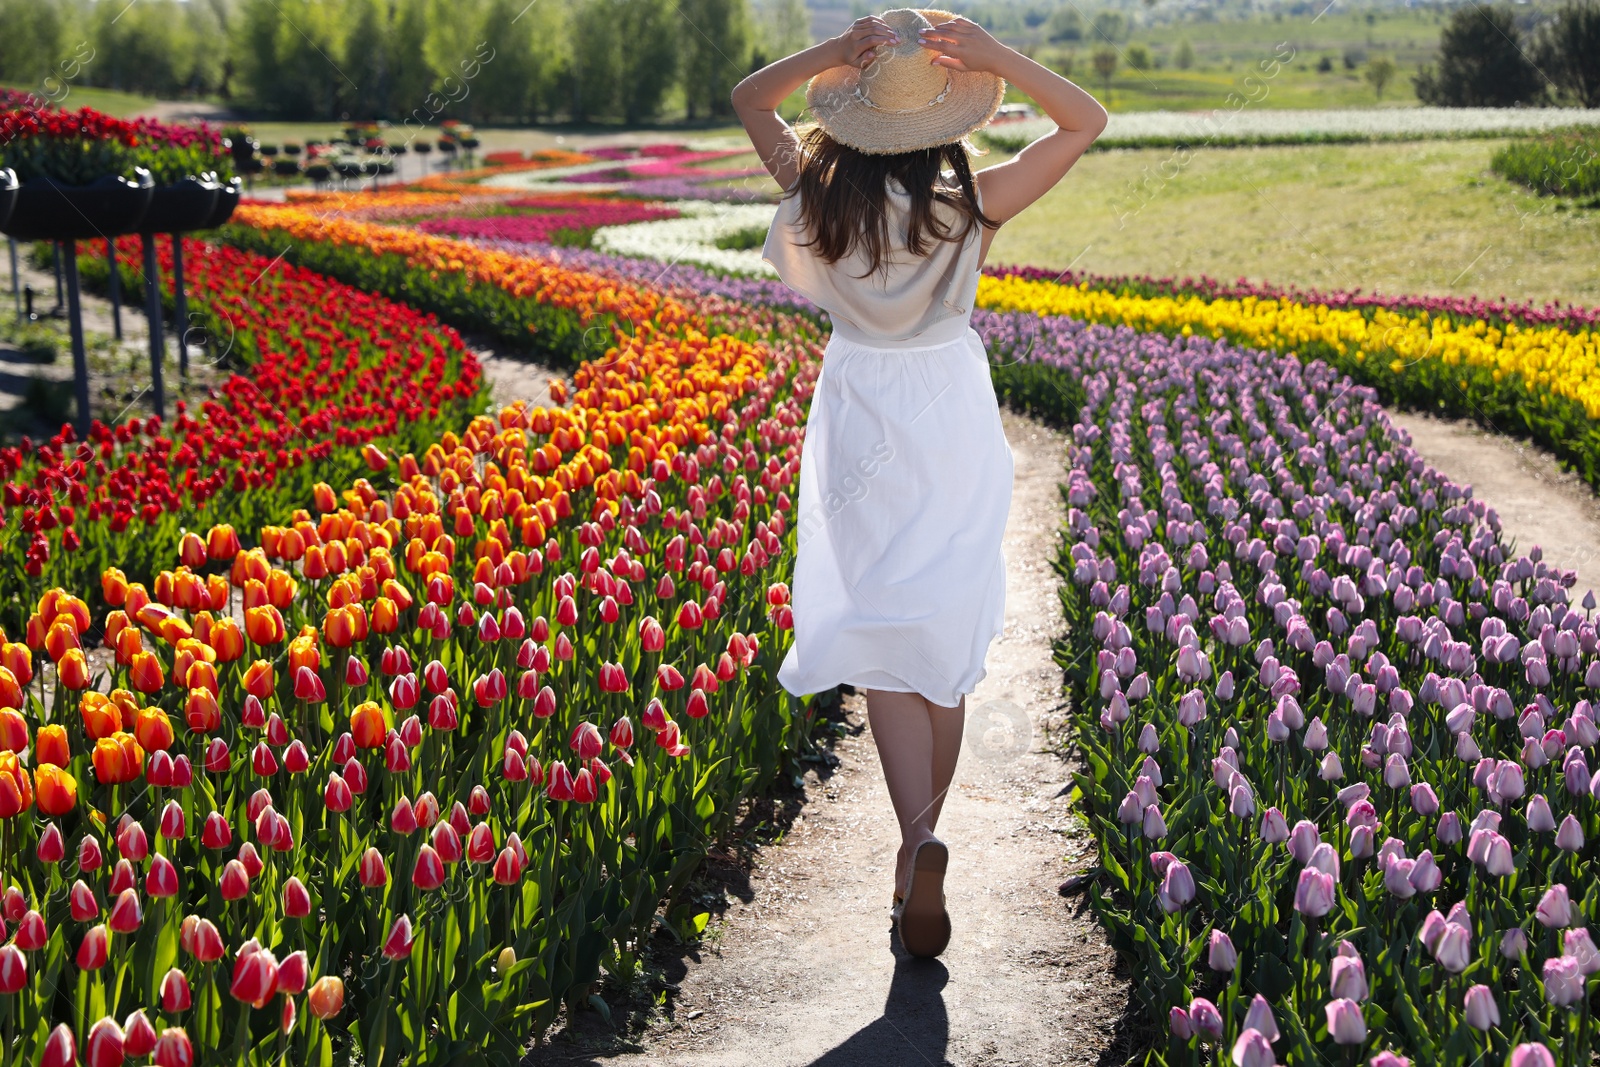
x=1138 y=57
x=1569 y=51
x=1563 y=163
x=1482 y=63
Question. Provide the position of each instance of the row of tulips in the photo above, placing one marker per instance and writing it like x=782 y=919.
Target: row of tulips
x=1336 y=737
x=549 y=218
x=325 y=369
x=1537 y=378
x=415 y=768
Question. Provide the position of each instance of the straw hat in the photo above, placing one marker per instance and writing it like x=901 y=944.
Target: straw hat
x=902 y=102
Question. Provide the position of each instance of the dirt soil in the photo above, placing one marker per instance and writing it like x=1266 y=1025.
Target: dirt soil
x=1538 y=502
x=803 y=969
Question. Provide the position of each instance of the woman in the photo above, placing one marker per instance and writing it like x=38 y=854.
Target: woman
x=905 y=476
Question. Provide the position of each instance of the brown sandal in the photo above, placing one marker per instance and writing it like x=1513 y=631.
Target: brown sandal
x=924 y=922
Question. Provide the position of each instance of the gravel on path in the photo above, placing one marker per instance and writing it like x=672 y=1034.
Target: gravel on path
x=1538 y=502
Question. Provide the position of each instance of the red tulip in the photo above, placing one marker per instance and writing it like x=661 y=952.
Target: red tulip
x=427 y=810
x=355 y=672
x=93 y=950
x=584 y=789
x=428 y=874
x=182 y=771
x=218 y=758
x=654 y=718
x=564 y=649
x=172 y=826
x=162 y=880
x=251 y=860
x=255 y=974
x=622 y=733
x=372 y=872
x=651 y=634
x=132 y=842
x=403 y=820
x=308 y=687
x=567 y=611
x=560 y=782
x=201 y=939
x=277 y=730
x=105 y=1045
x=668 y=677
x=296 y=759
x=704 y=678
x=480 y=844
x=355 y=775
x=396 y=759
x=512 y=767
x=447 y=842
x=32 y=933
x=60 y=1048
x=586 y=741
x=411 y=731
x=436 y=677
x=126 y=913
x=336 y=797
x=689 y=616
x=296 y=898
x=669 y=740
x=613 y=679
x=175 y=992
x=397 y=946
x=216 y=834
x=51 y=847
x=544 y=705
x=13 y=969
x=173 y=1049
x=344 y=749
x=403 y=691
x=598 y=768
x=138 y=1036
x=122 y=877
x=442 y=712
x=697 y=706
x=82 y=903
x=507 y=867
x=293 y=973
x=235 y=881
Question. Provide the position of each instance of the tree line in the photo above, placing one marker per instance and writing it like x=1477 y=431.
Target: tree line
x=1501 y=57
x=511 y=61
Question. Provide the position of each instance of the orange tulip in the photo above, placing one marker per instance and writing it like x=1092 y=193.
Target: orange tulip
x=192 y=551
x=13 y=730
x=57 y=604
x=10 y=689
x=227 y=640
x=322 y=497
x=222 y=543
x=264 y=625
x=138 y=596
x=153 y=729
x=303 y=652
x=165 y=589
x=144 y=672
x=50 y=746
x=33 y=636
x=203 y=675
x=201 y=711
x=18 y=659
x=216 y=592
x=129 y=642
x=385 y=616
x=338 y=629
x=368 y=725
x=117 y=758
x=281 y=589
x=16 y=788
x=58 y=790
x=259 y=679
x=127 y=705
x=101 y=718
x=250 y=564
x=114 y=586
x=291 y=545
x=255 y=593
x=189 y=591
x=337 y=557
x=61 y=638
x=315 y=564
x=73 y=670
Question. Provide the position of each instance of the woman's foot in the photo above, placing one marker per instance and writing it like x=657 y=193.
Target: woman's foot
x=924 y=923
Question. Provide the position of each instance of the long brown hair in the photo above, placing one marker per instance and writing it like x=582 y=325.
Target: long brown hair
x=844 y=198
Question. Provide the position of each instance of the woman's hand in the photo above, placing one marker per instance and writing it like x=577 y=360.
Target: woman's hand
x=964 y=45
x=858 y=46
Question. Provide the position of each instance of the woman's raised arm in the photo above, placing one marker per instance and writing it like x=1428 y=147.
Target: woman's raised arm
x=1009 y=187
x=756 y=99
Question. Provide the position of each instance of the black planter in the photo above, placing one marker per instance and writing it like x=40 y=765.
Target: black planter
x=46 y=210
x=227 y=199
x=180 y=207
x=8 y=194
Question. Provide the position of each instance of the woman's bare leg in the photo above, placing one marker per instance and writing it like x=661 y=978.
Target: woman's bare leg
x=948 y=725
x=918 y=745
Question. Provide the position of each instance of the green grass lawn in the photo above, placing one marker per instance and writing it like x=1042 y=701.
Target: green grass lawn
x=1294 y=86
x=1417 y=217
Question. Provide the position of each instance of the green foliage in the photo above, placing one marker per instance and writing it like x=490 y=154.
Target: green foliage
x=1379 y=73
x=1569 y=51
x=1563 y=163
x=1482 y=63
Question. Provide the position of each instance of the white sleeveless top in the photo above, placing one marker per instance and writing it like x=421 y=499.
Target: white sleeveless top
x=912 y=294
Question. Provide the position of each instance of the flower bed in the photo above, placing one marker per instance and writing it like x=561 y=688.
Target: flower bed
x=1336 y=738
x=1562 y=163
x=558 y=216
x=328 y=369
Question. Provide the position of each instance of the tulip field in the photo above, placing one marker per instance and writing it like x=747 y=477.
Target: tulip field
x=345 y=719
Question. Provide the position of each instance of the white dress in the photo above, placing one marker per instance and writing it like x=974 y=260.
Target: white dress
x=905 y=474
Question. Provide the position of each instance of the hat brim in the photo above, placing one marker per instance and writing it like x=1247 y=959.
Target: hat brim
x=972 y=100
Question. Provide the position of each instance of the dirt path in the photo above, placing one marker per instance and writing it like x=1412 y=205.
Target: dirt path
x=803 y=971
x=1538 y=502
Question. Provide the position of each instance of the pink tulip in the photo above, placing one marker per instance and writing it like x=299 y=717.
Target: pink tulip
x=1314 y=894
x=1346 y=1026
x=1532 y=1056
x=1555 y=908
x=1221 y=955
x=1252 y=1049
x=1259 y=1018
x=1563 y=981
x=1207 y=1021
x=1481 y=1011
x=1349 y=978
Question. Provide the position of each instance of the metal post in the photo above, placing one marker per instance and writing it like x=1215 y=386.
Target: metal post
x=16 y=287
x=181 y=305
x=152 y=313
x=115 y=283
x=80 y=360
x=56 y=256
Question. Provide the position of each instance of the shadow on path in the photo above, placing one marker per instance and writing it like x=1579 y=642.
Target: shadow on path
x=913 y=1030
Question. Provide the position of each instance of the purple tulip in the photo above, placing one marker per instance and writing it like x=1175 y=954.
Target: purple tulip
x=1532 y=1056
x=1221 y=955
x=1481 y=1010
x=1259 y=1018
x=1206 y=1019
x=1155 y=827
x=1388 y=1059
x=1563 y=981
x=1274 y=828
x=1540 y=819
x=1177 y=888
x=1432 y=928
x=1448 y=831
x=1346 y=1025
x=1580 y=946
x=1349 y=978
x=1314 y=895
x=1555 y=908
x=1454 y=948
x=1303 y=840
x=1569 y=836
x=1424 y=801
x=1179 y=1025
x=1514 y=943
x=1252 y=1049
